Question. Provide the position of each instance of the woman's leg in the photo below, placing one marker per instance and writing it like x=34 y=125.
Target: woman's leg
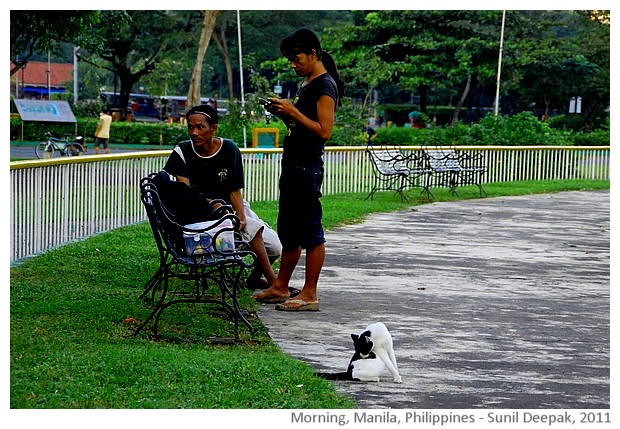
x=315 y=258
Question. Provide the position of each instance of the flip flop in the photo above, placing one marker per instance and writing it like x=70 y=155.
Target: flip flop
x=271 y=299
x=293 y=292
x=298 y=305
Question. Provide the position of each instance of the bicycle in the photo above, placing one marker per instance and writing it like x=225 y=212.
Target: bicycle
x=48 y=148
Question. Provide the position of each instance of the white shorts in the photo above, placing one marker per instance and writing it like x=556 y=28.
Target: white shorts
x=254 y=225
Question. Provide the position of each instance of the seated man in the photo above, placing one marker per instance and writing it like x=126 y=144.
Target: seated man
x=213 y=166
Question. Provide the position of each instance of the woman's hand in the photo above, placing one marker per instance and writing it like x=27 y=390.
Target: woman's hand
x=325 y=112
x=281 y=107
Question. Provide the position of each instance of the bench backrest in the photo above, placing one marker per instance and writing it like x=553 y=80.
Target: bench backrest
x=388 y=161
x=442 y=160
x=169 y=233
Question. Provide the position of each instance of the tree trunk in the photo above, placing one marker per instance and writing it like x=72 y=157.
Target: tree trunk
x=127 y=81
x=547 y=103
x=193 y=95
x=222 y=45
x=423 y=91
x=366 y=102
x=457 y=109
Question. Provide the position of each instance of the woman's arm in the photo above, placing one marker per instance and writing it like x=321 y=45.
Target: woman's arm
x=325 y=112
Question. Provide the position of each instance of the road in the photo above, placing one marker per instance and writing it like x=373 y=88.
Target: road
x=27 y=152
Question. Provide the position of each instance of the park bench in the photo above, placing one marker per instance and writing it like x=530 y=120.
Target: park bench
x=395 y=171
x=198 y=263
x=447 y=167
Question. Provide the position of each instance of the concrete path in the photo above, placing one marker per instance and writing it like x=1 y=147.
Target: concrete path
x=492 y=303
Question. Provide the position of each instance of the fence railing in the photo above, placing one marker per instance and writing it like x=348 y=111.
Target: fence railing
x=65 y=199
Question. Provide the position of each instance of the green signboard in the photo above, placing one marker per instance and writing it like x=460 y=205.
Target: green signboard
x=44 y=110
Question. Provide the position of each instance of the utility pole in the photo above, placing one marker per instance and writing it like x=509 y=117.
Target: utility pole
x=245 y=142
x=499 y=63
x=76 y=51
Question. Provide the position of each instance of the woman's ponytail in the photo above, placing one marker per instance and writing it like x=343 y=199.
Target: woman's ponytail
x=330 y=66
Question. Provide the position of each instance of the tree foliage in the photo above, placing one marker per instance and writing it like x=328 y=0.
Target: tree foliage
x=136 y=41
x=548 y=56
x=35 y=31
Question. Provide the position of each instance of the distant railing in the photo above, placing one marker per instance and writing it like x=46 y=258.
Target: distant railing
x=59 y=200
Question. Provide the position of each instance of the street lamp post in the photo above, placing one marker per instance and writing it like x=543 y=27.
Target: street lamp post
x=245 y=143
x=499 y=62
x=76 y=50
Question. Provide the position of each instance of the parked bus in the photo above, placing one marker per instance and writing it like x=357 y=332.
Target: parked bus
x=168 y=107
x=146 y=108
x=176 y=105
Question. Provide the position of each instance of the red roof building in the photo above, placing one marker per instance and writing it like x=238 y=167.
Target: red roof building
x=31 y=81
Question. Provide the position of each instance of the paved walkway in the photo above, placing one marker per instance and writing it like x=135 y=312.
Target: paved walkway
x=492 y=303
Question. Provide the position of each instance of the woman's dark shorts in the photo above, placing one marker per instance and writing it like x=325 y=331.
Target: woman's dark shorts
x=300 y=211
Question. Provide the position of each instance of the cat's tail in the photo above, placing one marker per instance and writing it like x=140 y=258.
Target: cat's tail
x=334 y=375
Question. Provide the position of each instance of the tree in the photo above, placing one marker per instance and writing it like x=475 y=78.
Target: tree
x=415 y=49
x=40 y=31
x=209 y=19
x=552 y=56
x=361 y=68
x=135 y=42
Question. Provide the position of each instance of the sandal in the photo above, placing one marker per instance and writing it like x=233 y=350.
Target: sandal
x=298 y=305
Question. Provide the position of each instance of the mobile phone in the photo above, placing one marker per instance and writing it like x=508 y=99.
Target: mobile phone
x=263 y=101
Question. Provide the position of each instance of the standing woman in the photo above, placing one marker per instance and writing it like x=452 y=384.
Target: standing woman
x=310 y=121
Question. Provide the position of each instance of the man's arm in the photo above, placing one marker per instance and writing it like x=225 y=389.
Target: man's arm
x=236 y=199
x=183 y=180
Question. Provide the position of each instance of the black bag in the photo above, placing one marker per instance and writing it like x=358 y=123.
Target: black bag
x=185 y=203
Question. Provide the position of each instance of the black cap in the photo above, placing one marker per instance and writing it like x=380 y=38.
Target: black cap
x=206 y=110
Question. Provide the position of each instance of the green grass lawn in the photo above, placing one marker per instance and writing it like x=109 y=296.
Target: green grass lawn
x=72 y=312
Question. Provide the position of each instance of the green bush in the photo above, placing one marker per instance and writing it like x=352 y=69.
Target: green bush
x=580 y=122
x=523 y=129
x=592 y=138
x=399 y=113
x=120 y=132
x=401 y=136
x=567 y=122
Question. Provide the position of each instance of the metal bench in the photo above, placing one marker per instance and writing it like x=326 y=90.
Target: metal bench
x=395 y=171
x=206 y=273
x=450 y=168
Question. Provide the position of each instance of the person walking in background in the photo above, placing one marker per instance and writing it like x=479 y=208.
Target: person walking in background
x=370 y=132
x=135 y=106
x=416 y=120
x=310 y=121
x=102 y=133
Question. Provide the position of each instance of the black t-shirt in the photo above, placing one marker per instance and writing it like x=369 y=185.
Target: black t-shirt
x=301 y=146
x=215 y=176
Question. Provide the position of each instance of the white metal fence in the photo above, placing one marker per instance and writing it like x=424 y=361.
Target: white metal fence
x=60 y=200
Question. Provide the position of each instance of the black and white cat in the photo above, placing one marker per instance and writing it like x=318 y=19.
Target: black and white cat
x=374 y=351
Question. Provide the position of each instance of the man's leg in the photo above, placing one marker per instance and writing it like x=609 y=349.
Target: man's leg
x=263 y=263
x=265 y=244
x=279 y=288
